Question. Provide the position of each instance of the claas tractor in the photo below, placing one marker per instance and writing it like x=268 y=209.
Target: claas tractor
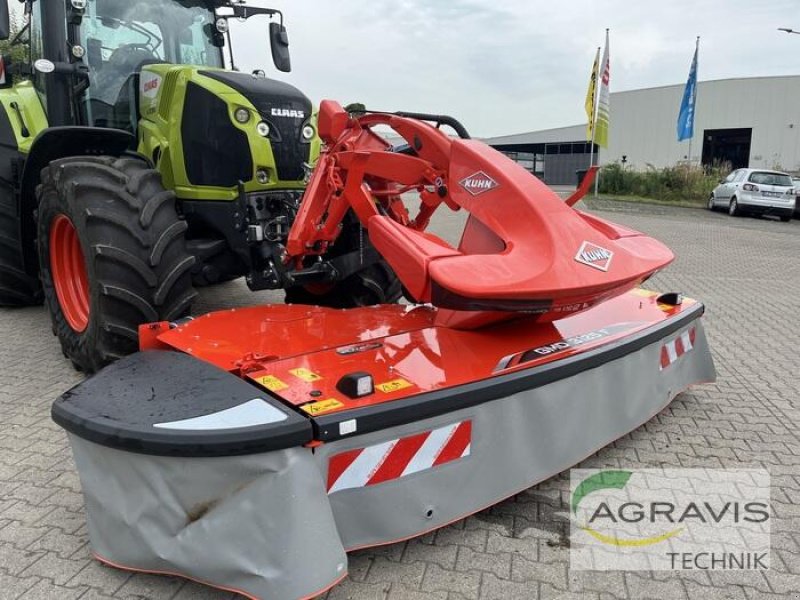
x=135 y=167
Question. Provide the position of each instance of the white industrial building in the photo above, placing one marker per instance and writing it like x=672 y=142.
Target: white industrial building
x=751 y=122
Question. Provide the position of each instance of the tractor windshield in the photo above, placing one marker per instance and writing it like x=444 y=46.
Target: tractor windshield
x=122 y=36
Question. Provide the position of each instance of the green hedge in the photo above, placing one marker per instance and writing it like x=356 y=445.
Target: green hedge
x=681 y=182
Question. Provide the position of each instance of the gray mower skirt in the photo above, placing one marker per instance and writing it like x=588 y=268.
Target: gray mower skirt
x=277 y=524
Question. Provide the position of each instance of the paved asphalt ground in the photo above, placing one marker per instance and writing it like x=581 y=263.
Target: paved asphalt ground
x=747 y=271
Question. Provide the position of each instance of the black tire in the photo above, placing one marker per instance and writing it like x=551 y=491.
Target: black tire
x=733 y=208
x=786 y=218
x=377 y=284
x=17 y=288
x=134 y=251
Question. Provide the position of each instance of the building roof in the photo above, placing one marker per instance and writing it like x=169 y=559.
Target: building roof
x=573 y=133
x=577 y=133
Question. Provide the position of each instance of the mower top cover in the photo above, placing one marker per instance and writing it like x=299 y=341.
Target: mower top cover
x=523 y=248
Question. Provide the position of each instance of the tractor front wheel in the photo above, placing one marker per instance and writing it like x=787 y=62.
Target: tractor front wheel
x=112 y=255
x=17 y=287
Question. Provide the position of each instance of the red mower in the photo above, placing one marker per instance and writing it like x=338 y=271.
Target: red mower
x=242 y=446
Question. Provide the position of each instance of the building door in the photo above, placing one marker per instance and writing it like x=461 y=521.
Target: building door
x=562 y=161
x=727 y=145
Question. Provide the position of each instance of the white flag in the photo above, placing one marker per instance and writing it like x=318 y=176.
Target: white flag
x=604 y=101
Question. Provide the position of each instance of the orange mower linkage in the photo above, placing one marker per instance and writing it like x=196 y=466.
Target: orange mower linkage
x=523 y=248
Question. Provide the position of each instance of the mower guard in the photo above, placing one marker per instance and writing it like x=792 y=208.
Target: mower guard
x=259 y=482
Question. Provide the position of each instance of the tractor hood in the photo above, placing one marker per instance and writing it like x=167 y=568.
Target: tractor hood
x=285 y=108
x=189 y=127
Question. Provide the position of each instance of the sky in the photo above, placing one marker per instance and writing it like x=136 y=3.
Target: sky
x=509 y=66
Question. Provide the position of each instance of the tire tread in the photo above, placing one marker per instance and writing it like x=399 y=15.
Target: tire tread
x=17 y=287
x=133 y=243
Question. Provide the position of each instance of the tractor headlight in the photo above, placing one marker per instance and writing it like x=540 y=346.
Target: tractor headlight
x=78 y=4
x=242 y=115
x=263 y=129
x=309 y=132
x=262 y=176
x=222 y=25
x=78 y=51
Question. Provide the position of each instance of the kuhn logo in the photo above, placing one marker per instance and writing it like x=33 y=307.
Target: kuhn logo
x=288 y=112
x=594 y=256
x=478 y=183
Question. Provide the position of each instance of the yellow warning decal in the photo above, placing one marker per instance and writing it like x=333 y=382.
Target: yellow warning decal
x=305 y=375
x=272 y=383
x=323 y=406
x=393 y=385
x=644 y=293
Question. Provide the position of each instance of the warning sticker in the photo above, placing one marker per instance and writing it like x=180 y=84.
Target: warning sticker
x=644 y=293
x=272 y=383
x=323 y=406
x=393 y=385
x=305 y=375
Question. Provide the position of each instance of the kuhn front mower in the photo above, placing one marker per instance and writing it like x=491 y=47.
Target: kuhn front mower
x=250 y=449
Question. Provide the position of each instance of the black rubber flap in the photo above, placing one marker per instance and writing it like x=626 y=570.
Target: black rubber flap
x=170 y=404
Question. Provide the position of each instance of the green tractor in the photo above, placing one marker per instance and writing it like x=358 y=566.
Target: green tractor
x=134 y=167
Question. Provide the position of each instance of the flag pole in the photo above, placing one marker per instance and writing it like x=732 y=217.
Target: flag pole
x=594 y=110
x=690 y=152
x=696 y=53
x=600 y=73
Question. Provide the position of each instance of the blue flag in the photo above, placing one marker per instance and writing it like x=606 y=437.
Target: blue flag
x=686 y=114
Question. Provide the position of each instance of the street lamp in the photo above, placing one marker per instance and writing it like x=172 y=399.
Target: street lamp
x=787 y=30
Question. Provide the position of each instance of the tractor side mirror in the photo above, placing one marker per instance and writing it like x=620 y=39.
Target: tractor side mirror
x=216 y=38
x=5 y=22
x=279 y=43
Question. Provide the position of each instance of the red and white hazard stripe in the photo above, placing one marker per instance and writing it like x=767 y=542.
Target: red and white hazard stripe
x=397 y=458
x=672 y=351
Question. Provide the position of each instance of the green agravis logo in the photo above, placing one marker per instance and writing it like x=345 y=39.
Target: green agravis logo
x=605 y=480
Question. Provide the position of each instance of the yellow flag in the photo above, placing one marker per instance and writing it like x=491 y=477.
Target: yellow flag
x=604 y=100
x=591 y=97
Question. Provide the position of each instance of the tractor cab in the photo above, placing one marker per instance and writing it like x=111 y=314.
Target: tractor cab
x=86 y=55
x=119 y=37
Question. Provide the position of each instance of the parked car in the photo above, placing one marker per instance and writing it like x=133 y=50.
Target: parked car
x=796 y=182
x=755 y=191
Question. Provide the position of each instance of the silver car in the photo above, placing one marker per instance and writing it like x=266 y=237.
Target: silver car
x=756 y=191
